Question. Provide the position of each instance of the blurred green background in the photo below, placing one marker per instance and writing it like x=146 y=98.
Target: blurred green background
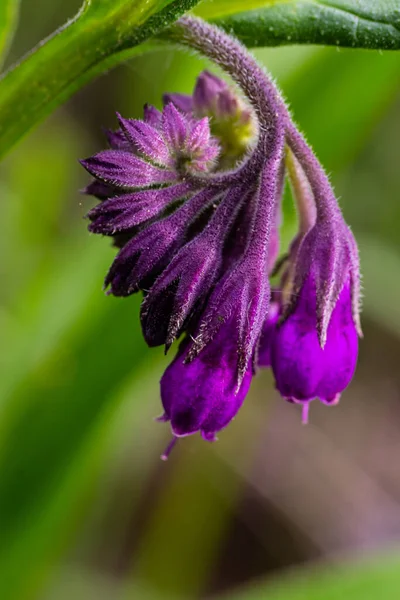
x=274 y=509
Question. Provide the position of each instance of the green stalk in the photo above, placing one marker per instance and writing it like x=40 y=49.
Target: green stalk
x=92 y=42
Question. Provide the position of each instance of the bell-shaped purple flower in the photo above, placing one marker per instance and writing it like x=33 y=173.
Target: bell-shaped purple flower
x=304 y=370
x=327 y=251
x=313 y=346
x=202 y=395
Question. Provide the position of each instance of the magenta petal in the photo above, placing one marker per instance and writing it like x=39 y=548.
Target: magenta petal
x=341 y=349
x=303 y=370
x=201 y=396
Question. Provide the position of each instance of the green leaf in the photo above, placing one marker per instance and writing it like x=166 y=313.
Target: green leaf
x=59 y=395
x=9 y=10
x=367 y=580
x=107 y=32
x=95 y=40
x=65 y=362
x=351 y=23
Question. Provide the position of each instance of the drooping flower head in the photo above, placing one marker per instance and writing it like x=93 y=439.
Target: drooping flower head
x=191 y=196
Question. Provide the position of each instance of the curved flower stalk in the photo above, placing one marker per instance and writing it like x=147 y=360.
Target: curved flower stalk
x=192 y=195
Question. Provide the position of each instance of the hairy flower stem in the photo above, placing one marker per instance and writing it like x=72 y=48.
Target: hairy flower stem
x=229 y=54
x=325 y=201
x=267 y=103
x=302 y=193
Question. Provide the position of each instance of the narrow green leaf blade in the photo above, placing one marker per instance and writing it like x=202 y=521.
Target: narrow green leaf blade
x=365 y=580
x=9 y=10
x=98 y=38
x=350 y=23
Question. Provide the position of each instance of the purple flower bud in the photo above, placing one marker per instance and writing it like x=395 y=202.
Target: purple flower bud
x=157 y=151
x=183 y=102
x=190 y=275
x=303 y=369
x=213 y=96
x=152 y=116
x=230 y=118
x=202 y=395
x=145 y=256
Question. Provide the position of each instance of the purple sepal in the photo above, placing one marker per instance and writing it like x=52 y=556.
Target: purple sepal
x=122 y=169
x=129 y=210
x=201 y=147
x=189 y=141
x=152 y=116
x=189 y=277
x=303 y=370
x=328 y=253
x=99 y=189
x=146 y=140
x=202 y=396
x=149 y=252
x=117 y=140
x=175 y=127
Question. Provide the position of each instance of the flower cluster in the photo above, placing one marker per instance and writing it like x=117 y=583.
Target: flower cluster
x=191 y=195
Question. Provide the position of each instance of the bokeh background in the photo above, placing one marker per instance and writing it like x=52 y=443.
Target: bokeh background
x=273 y=510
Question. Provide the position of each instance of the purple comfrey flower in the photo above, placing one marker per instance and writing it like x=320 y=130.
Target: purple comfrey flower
x=201 y=395
x=327 y=248
x=198 y=232
x=304 y=370
x=313 y=347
